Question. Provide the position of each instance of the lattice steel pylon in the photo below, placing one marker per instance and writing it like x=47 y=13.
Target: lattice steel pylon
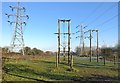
x=81 y=38
x=17 y=43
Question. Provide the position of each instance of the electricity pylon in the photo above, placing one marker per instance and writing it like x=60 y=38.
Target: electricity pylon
x=81 y=38
x=17 y=43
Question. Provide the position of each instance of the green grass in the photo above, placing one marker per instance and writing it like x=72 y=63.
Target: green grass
x=44 y=69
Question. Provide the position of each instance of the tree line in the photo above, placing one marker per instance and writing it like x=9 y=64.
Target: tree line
x=103 y=51
x=28 y=51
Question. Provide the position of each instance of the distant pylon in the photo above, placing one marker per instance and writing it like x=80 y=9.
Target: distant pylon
x=81 y=38
x=17 y=43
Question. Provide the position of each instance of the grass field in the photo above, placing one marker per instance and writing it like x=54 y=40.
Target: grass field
x=43 y=69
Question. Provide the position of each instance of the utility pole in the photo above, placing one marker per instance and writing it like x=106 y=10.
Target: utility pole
x=90 y=46
x=114 y=59
x=69 y=42
x=71 y=63
x=59 y=42
x=104 y=60
x=56 y=59
x=17 y=42
x=90 y=38
x=81 y=38
x=97 y=44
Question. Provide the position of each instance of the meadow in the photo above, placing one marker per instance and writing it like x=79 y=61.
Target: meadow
x=44 y=69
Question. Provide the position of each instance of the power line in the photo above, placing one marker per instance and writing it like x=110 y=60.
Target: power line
x=93 y=12
x=101 y=15
x=107 y=20
x=107 y=29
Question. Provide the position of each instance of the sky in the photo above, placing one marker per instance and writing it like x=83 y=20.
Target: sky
x=43 y=22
